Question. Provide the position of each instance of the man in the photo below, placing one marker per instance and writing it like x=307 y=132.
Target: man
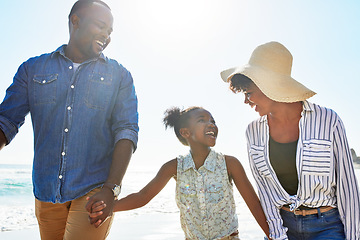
x=83 y=107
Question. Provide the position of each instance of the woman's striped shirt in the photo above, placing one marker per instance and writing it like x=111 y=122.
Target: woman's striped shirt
x=324 y=166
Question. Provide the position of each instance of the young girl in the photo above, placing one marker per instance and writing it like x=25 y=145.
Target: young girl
x=204 y=179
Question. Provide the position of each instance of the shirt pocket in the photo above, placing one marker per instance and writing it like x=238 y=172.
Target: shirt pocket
x=44 y=88
x=215 y=193
x=99 y=91
x=187 y=194
x=316 y=157
x=257 y=154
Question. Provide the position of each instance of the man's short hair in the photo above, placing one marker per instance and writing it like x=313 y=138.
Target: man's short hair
x=80 y=4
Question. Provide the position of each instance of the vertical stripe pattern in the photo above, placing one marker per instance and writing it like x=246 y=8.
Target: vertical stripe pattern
x=324 y=165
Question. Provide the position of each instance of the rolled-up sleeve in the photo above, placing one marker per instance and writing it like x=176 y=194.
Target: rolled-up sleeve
x=125 y=114
x=15 y=105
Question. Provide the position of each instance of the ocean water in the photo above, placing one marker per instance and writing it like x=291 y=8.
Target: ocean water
x=17 y=200
x=16 y=197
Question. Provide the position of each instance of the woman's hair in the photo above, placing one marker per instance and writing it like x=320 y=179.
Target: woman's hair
x=177 y=118
x=240 y=83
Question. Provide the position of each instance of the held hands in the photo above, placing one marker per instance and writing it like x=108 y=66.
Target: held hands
x=96 y=210
x=100 y=206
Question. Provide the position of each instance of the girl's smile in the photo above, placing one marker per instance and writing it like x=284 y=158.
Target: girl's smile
x=202 y=128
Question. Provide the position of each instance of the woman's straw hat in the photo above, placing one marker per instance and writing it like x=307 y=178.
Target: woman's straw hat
x=269 y=68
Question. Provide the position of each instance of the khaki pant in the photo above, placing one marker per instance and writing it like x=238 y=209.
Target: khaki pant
x=69 y=221
x=231 y=238
x=236 y=237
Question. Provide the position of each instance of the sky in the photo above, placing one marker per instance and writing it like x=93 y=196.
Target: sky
x=175 y=51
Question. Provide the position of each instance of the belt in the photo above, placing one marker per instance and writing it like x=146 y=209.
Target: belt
x=305 y=212
x=234 y=233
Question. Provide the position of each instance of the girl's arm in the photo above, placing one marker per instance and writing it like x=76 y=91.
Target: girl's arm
x=141 y=198
x=242 y=183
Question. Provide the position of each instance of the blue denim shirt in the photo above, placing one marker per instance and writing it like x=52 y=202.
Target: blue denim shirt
x=77 y=118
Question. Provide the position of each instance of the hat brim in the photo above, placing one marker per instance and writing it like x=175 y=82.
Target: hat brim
x=277 y=87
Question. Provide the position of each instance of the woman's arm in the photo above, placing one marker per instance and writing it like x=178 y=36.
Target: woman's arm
x=348 y=195
x=242 y=183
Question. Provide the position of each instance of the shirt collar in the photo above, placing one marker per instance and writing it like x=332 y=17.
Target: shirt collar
x=209 y=163
x=263 y=118
x=61 y=50
x=307 y=107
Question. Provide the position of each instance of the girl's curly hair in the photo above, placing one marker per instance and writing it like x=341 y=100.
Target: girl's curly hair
x=177 y=119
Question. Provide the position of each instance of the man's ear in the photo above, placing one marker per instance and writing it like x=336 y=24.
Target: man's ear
x=74 y=21
x=184 y=132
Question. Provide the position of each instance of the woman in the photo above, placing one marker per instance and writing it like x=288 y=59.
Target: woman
x=298 y=152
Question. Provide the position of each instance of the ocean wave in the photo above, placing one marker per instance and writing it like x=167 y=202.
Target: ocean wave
x=10 y=187
x=12 y=172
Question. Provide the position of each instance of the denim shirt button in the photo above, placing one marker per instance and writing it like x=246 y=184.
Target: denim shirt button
x=60 y=176
x=57 y=96
x=44 y=81
x=102 y=79
x=66 y=130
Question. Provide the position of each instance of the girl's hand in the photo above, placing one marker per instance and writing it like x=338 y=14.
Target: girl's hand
x=96 y=210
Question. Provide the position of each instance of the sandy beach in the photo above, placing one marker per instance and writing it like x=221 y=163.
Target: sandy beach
x=148 y=226
x=159 y=220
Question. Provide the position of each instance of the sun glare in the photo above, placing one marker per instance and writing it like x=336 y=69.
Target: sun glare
x=175 y=20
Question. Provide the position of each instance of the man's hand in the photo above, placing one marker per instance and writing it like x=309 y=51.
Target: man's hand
x=107 y=197
x=121 y=156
